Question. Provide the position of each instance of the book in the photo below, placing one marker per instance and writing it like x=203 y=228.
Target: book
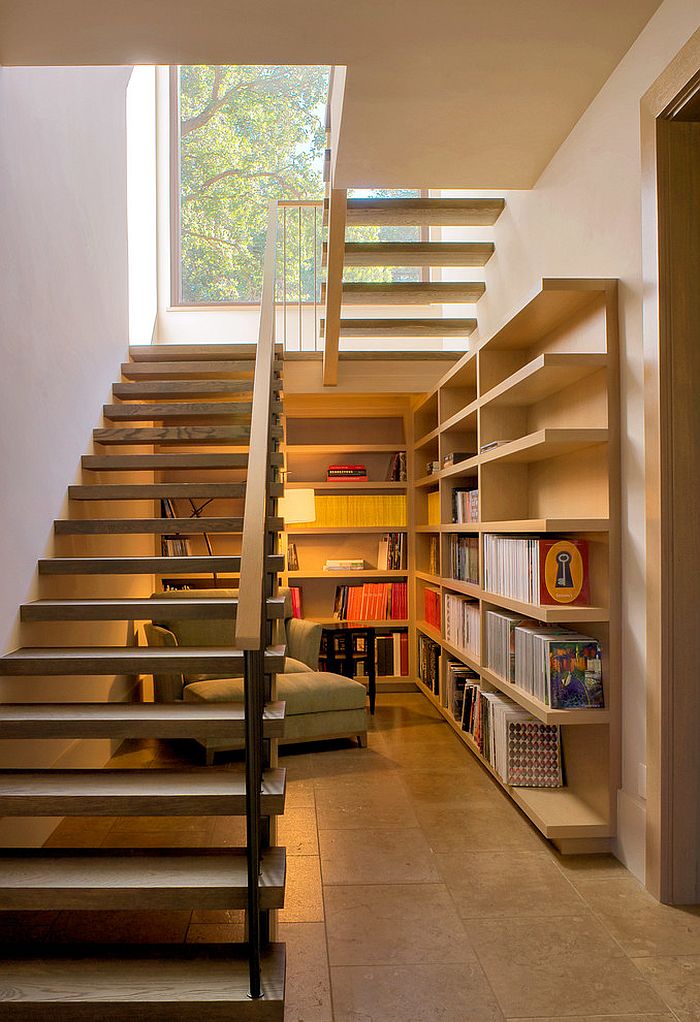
x=434 y=508
x=373 y=601
x=434 y=555
x=396 y=472
x=432 y=609
x=429 y=654
x=295 y=594
x=391 y=553
x=292 y=557
x=432 y=467
x=462 y=623
x=455 y=457
x=353 y=510
x=465 y=506
x=354 y=473
x=463 y=554
x=345 y=564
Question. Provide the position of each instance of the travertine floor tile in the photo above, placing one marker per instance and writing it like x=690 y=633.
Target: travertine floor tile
x=303 y=900
x=453 y=830
x=497 y=884
x=376 y=857
x=446 y=787
x=394 y=925
x=552 y=966
x=605 y=1018
x=351 y=807
x=589 y=867
x=308 y=988
x=296 y=830
x=419 y=993
x=638 y=922
x=677 y=980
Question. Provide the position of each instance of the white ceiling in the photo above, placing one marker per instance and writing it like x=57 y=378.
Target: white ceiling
x=456 y=93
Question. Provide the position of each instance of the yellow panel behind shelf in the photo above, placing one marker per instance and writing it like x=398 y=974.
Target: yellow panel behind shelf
x=434 y=508
x=354 y=509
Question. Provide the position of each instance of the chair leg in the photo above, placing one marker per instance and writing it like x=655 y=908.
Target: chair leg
x=362 y=740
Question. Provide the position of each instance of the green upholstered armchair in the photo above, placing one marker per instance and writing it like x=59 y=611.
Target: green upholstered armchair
x=318 y=704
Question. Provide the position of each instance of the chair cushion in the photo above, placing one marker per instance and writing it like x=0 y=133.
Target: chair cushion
x=307 y=692
x=292 y=666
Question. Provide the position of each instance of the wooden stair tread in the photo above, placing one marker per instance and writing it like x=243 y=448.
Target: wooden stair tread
x=52 y=881
x=148 y=462
x=148 y=565
x=206 y=435
x=134 y=720
x=164 y=609
x=424 y=212
x=154 y=526
x=141 y=389
x=418 y=253
x=411 y=293
x=137 y=982
x=147 y=412
x=194 y=352
x=192 y=370
x=407 y=327
x=66 y=660
x=154 y=491
x=204 y=792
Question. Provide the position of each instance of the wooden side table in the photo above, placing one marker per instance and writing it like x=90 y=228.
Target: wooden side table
x=343 y=645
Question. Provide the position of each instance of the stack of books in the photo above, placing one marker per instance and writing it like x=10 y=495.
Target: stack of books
x=431 y=603
x=464 y=558
x=462 y=623
x=353 y=473
x=465 y=507
x=429 y=653
x=344 y=564
x=172 y=546
x=354 y=509
x=373 y=601
x=391 y=655
x=396 y=472
x=537 y=570
x=457 y=678
x=391 y=555
x=455 y=457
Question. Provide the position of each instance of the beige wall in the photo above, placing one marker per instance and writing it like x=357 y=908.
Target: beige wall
x=64 y=330
x=582 y=218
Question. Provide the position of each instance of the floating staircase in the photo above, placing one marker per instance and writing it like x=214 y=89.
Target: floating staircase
x=194 y=397
x=340 y=251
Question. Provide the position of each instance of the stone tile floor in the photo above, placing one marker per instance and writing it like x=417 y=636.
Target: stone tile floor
x=417 y=892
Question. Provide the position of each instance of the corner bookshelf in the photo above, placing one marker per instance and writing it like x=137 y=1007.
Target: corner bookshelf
x=347 y=429
x=544 y=390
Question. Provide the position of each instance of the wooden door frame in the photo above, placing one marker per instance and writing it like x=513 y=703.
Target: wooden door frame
x=666 y=877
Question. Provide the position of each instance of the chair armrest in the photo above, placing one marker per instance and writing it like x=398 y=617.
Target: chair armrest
x=304 y=641
x=167 y=688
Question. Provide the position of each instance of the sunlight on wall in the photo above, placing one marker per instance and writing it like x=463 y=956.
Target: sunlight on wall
x=141 y=203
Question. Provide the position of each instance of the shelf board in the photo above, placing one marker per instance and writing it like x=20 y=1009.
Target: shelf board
x=432 y=480
x=466 y=467
x=555 y=301
x=546 y=443
x=549 y=613
x=427 y=577
x=365 y=573
x=313 y=485
x=380 y=623
x=330 y=530
x=458 y=586
x=460 y=527
x=461 y=654
x=458 y=417
x=427 y=438
x=538 y=709
x=345 y=448
x=543 y=376
x=548 y=525
x=556 y=812
x=428 y=528
x=429 y=630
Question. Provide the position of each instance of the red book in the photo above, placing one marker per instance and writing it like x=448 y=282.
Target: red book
x=563 y=565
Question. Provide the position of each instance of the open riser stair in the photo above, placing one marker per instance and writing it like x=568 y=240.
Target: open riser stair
x=221 y=404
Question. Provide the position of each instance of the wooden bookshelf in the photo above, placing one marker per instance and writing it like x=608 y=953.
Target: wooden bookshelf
x=543 y=388
x=317 y=433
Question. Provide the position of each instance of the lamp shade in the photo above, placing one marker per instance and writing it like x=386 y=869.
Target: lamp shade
x=298 y=506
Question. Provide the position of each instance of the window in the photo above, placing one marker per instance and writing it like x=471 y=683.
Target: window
x=241 y=136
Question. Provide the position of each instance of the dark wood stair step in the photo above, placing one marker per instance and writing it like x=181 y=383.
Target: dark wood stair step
x=148 y=565
x=156 y=389
x=204 y=792
x=150 y=462
x=134 y=720
x=153 y=609
x=192 y=370
x=424 y=212
x=48 y=880
x=409 y=293
x=156 y=491
x=418 y=253
x=237 y=436
x=154 y=526
x=69 y=660
x=194 y=352
x=138 y=983
x=148 y=412
x=406 y=327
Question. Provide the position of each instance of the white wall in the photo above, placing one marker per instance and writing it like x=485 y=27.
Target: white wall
x=63 y=330
x=141 y=203
x=583 y=219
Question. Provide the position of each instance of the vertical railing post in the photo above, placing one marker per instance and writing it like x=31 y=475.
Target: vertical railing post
x=253 y=684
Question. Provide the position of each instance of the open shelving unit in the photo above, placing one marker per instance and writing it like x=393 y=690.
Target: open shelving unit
x=317 y=430
x=543 y=389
